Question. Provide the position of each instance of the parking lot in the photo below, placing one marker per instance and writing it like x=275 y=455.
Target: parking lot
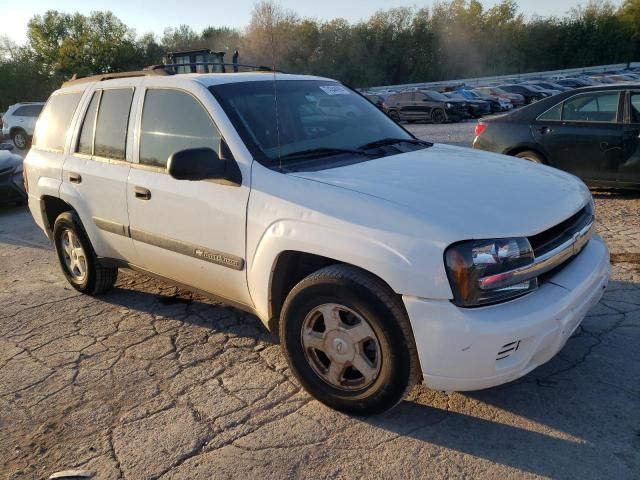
x=149 y=381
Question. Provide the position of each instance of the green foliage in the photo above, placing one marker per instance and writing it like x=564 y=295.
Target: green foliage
x=452 y=39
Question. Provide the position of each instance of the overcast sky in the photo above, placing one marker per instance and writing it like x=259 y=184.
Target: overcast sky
x=155 y=15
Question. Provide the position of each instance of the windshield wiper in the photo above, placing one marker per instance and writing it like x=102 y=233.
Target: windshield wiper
x=324 y=152
x=392 y=141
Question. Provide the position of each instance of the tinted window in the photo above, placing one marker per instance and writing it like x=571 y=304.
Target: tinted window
x=52 y=126
x=554 y=113
x=635 y=107
x=112 y=122
x=172 y=121
x=85 y=144
x=593 y=107
x=28 y=111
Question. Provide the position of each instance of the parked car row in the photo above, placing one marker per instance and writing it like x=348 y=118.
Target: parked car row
x=448 y=102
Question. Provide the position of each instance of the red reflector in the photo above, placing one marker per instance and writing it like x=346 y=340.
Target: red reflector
x=480 y=127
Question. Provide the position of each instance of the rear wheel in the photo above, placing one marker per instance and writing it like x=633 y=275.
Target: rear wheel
x=395 y=116
x=531 y=156
x=348 y=340
x=20 y=139
x=438 y=116
x=78 y=259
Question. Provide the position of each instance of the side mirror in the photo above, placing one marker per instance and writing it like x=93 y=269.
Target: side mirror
x=203 y=164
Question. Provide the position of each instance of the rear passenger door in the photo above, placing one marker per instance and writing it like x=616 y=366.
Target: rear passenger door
x=192 y=232
x=630 y=169
x=95 y=173
x=583 y=135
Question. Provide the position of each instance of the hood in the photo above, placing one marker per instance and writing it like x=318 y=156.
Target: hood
x=465 y=193
x=8 y=159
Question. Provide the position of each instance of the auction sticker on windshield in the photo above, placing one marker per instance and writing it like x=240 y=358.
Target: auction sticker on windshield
x=334 y=90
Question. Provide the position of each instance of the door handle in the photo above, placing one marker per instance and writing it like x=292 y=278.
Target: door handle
x=142 y=193
x=544 y=130
x=75 y=177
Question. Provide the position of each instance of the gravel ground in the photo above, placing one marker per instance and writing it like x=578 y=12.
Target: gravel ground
x=149 y=381
x=460 y=134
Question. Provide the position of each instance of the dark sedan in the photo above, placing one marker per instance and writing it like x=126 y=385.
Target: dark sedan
x=592 y=132
x=529 y=93
x=11 y=182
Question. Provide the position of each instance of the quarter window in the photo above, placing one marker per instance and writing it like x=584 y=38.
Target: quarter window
x=112 y=123
x=52 y=126
x=592 y=107
x=172 y=121
x=554 y=113
x=85 y=144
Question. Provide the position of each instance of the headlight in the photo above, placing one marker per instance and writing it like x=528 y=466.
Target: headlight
x=449 y=105
x=468 y=262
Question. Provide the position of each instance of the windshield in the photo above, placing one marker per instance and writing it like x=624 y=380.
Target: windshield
x=309 y=115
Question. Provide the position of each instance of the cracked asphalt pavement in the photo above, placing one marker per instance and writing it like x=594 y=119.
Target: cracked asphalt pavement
x=150 y=381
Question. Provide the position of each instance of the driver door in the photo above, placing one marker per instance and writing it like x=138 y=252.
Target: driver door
x=192 y=232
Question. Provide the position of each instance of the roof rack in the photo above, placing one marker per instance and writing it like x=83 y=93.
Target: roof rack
x=161 y=70
x=109 y=76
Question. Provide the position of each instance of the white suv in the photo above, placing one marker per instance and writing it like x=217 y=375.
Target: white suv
x=19 y=121
x=380 y=259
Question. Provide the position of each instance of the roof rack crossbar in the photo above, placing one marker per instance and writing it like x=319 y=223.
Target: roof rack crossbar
x=259 y=68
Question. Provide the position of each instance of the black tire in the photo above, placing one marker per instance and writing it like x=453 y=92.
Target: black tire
x=530 y=156
x=395 y=116
x=98 y=279
x=438 y=116
x=370 y=298
x=20 y=139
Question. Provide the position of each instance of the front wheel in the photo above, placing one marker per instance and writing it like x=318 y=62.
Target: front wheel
x=348 y=340
x=395 y=116
x=78 y=259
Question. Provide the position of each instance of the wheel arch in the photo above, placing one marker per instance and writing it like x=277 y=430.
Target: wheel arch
x=292 y=266
x=527 y=148
x=52 y=207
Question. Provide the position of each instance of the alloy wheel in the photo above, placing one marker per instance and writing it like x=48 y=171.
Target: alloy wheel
x=341 y=347
x=74 y=255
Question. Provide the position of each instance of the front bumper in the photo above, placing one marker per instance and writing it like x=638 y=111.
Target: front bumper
x=471 y=349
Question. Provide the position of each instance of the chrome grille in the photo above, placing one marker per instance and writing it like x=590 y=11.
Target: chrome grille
x=546 y=241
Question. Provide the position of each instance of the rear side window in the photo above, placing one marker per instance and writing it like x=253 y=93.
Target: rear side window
x=172 y=121
x=53 y=124
x=112 y=122
x=592 y=107
x=635 y=107
x=28 y=111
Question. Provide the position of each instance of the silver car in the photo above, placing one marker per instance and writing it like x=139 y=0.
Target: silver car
x=19 y=121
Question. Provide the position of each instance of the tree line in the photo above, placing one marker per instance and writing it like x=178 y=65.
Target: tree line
x=450 y=39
